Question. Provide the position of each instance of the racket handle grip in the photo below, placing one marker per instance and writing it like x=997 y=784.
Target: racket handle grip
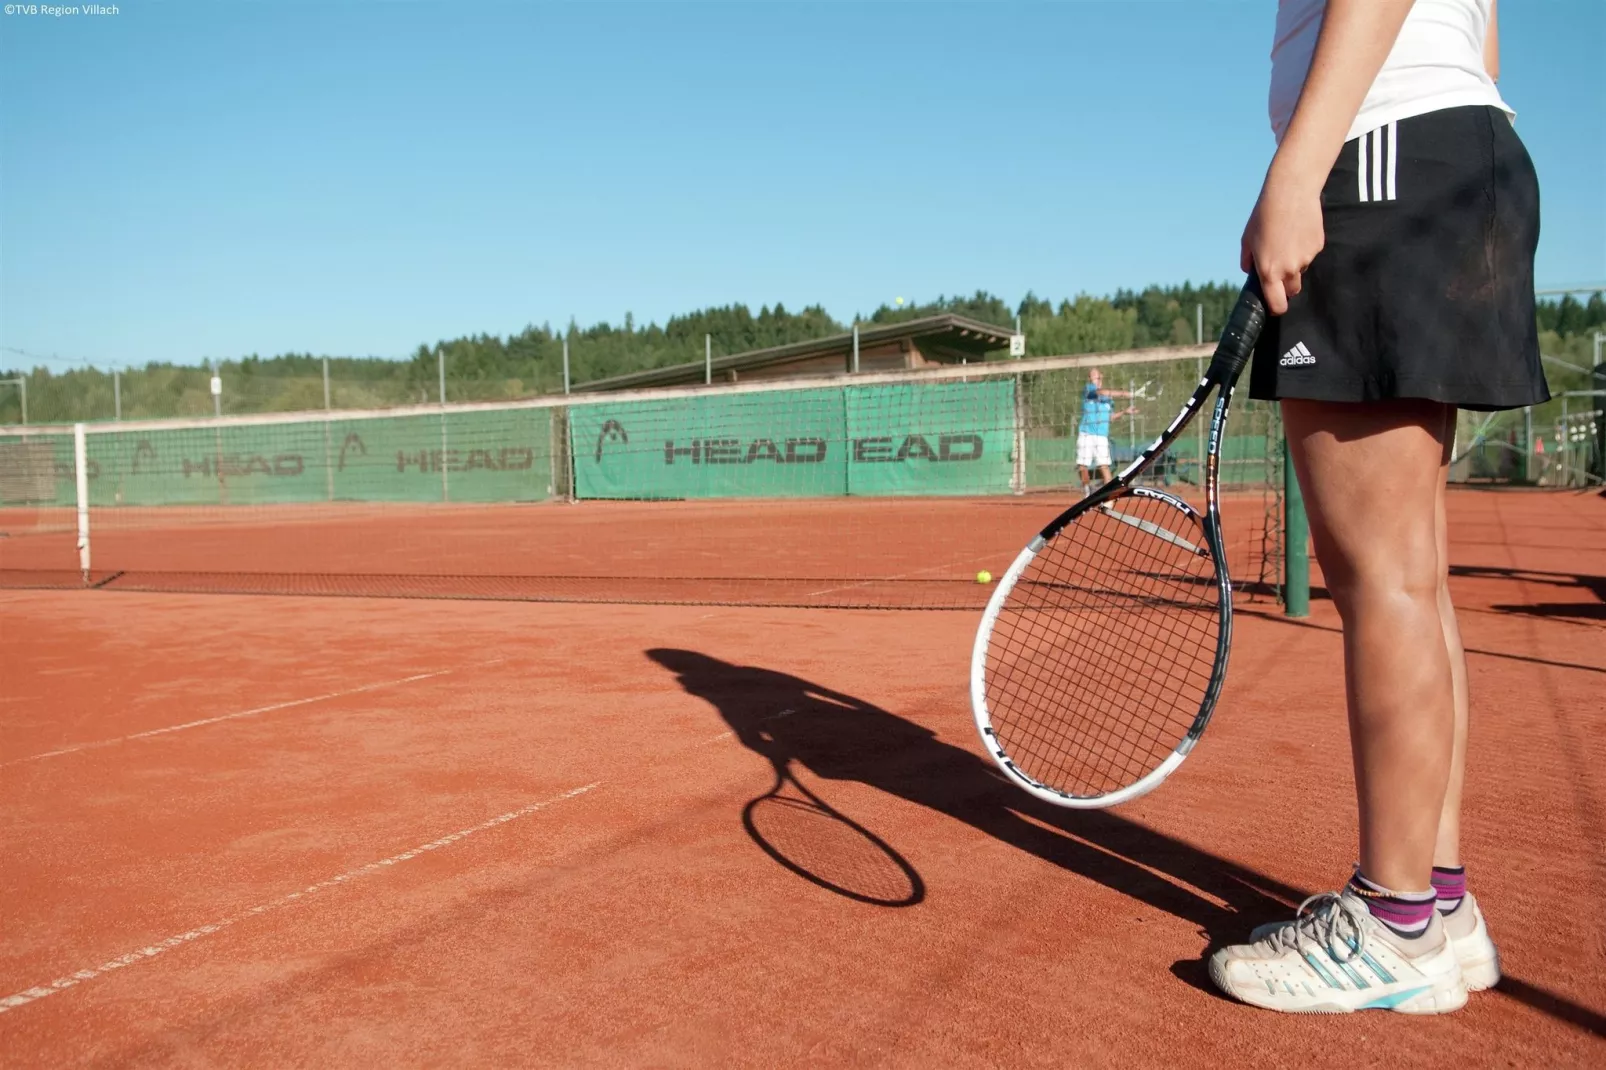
x=1238 y=338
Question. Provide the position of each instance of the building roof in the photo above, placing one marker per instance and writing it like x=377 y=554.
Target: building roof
x=947 y=338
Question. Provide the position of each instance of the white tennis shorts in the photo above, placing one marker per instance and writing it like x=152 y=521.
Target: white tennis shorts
x=1092 y=450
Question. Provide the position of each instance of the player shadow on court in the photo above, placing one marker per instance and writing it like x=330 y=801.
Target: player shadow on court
x=1564 y=581
x=791 y=721
x=787 y=720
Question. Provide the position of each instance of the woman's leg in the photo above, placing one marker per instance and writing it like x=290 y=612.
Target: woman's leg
x=1447 y=852
x=1372 y=477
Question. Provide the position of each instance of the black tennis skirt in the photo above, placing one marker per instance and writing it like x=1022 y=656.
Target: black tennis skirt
x=1425 y=287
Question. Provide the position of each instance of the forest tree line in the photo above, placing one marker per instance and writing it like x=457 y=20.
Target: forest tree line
x=487 y=367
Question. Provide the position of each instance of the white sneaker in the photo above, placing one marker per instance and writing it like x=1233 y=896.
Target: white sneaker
x=1469 y=935
x=1479 y=958
x=1334 y=957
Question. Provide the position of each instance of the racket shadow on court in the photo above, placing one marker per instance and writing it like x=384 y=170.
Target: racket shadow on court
x=801 y=727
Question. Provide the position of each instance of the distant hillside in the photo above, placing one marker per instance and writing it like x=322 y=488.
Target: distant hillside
x=530 y=363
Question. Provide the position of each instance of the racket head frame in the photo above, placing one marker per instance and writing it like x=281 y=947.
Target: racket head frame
x=1232 y=354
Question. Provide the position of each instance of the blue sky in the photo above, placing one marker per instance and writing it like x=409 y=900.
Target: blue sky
x=183 y=180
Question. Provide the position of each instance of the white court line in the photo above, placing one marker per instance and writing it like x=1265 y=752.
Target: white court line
x=38 y=992
x=882 y=579
x=76 y=747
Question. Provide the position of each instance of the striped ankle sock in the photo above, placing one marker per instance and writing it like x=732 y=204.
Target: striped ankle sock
x=1407 y=913
x=1450 y=885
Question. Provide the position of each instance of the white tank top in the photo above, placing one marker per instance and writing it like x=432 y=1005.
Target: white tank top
x=1436 y=63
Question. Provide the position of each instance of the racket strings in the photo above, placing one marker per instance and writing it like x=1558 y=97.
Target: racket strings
x=1102 y=652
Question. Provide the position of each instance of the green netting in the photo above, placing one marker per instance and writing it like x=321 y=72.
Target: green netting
x=786 y=444
x=36 y=469
x=932 y=438
x=493 y=456
x=1051 y=462
x=892 y=439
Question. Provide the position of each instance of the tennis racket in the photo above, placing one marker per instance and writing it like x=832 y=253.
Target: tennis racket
x=1103 y=649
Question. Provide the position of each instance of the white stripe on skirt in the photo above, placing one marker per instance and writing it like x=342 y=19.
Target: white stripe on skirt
x=1360 y=163
x=1394 y=157
x=1377 y=164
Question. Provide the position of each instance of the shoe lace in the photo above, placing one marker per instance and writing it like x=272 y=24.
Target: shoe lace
x=1329 y=921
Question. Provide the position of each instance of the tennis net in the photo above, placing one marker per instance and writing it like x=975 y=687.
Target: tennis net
x=888 y=489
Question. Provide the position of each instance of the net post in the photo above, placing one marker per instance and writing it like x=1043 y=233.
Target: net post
x=80 y=463
x=1296 y=539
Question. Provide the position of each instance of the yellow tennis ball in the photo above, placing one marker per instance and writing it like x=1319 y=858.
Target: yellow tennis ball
x=984 y=576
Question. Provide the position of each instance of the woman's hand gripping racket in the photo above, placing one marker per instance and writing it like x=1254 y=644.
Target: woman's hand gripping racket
x=1103 y=648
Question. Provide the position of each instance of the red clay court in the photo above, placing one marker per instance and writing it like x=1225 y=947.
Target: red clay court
x=357 y=831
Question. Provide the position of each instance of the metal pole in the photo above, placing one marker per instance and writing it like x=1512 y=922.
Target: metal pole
x=855 y=349
x=1018 y=474
x=565 y=365
x=1564 y=444
x=217 y=437
x=708 y=359
x=1296 y=532
x=328 y=452
x=117 y=393
x=22 y=382
x=1527 y=443
x=1132 y=420
x=446 y=486
x=80 y=454
x=1198 y=332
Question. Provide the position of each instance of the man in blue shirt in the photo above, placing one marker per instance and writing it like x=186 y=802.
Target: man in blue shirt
x=1093 y=432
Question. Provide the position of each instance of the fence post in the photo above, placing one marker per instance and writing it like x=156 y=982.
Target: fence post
x=565 y=365
x=80 y=456
x=217 y=433
x=21 y=383
x=708 y=359
x=446 y=484
x=1017 y=481
x=855 y=348
x=1198 y=333
x=117 y=394
x=328 y=459
x=1527 y=443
